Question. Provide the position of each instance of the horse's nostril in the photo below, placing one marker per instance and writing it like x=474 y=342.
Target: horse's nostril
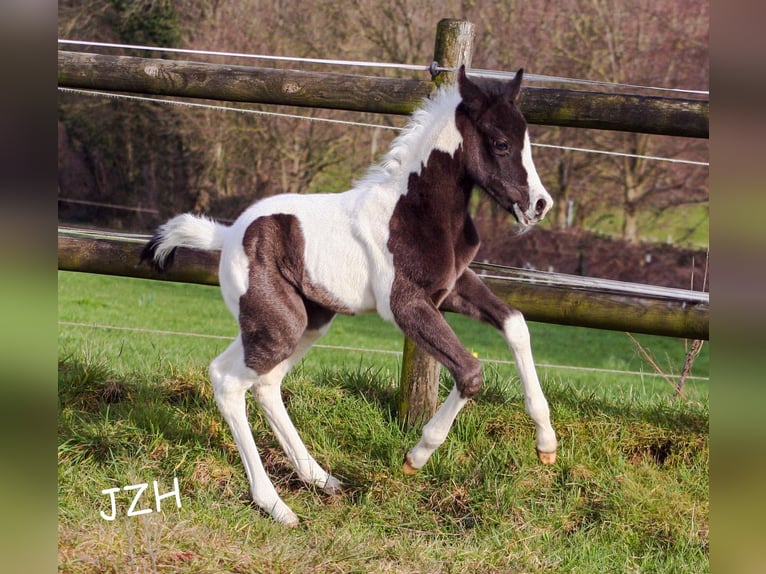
x=540 y=206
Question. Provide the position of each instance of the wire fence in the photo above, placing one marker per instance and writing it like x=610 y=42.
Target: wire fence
x=114 y=95
x=432 y=68
x=343 y=348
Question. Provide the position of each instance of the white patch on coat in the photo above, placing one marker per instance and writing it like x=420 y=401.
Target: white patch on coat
x=409 y=151
x=537 y=190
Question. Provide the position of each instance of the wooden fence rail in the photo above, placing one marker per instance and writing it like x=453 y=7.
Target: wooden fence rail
x=546 y=106
x=541 y=296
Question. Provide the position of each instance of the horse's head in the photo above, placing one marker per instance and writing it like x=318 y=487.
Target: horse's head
x=497 y=148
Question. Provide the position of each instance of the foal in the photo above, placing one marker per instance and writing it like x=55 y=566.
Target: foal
x=398 y=243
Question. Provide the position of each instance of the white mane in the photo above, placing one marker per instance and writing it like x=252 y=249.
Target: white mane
x=432 y=126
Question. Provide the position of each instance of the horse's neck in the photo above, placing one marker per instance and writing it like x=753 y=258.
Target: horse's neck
x=431 y=128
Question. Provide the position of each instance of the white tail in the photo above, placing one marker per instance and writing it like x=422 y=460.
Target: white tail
x=187 y=230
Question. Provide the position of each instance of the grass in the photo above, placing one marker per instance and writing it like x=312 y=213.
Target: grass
x=628 y=493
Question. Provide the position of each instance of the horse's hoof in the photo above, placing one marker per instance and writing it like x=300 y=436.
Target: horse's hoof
x=407 y=468
x=547 y=457
x=289 y=519
x=332 y=486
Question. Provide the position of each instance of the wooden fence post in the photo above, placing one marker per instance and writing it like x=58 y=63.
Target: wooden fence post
x=419 y=380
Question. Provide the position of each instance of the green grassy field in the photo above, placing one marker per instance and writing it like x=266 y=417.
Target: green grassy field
x=629 y=492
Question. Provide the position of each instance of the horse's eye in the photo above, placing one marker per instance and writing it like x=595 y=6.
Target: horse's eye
x=500 y=145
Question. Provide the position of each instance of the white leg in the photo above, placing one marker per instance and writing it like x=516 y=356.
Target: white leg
x=516 y=334
x=231 y=379
x=267 y=394
x=434 y=433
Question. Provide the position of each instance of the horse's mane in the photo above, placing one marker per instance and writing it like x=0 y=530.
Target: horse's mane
x=409 y=148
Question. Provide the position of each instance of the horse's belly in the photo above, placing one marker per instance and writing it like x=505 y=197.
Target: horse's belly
x=343 y=270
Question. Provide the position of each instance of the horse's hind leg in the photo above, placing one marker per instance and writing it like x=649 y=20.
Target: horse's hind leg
x=267 y=393
x=231 y=379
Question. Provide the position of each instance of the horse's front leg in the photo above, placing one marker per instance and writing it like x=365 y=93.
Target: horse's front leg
x=434 y=432
x=422 y=322
x=472 y=298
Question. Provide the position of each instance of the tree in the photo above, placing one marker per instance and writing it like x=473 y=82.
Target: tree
x=640 y=43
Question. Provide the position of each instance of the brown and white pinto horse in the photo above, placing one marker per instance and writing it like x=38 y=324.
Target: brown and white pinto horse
x=398 y=243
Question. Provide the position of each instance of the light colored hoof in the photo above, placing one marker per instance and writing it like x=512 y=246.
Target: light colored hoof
x=547 y=457
x=407 y=468
x=288 y=521
x=332 y=486
x=286 y=518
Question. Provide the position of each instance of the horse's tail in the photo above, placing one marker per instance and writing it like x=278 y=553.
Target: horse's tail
x=187 y=230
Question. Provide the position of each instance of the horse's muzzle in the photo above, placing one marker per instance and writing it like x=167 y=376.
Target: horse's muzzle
x=536 y=211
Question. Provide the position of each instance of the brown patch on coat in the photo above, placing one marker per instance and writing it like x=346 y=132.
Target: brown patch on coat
x=432 y=240
x=280 y=303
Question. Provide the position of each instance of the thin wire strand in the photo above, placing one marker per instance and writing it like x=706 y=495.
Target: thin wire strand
x=623 y=154
x=108 y=205
x=104 y=234
x=563 y=80
x=113 y=95
x=251 y=56
x=223 y=108
x=359 y=349
x=369 y=64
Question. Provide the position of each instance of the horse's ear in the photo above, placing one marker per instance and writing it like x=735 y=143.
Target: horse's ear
x=471 y=94
x=514 y=86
